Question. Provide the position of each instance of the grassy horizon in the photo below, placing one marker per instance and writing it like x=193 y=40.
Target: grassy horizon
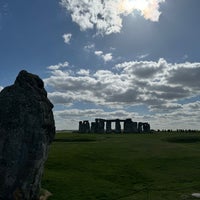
x=123 y=166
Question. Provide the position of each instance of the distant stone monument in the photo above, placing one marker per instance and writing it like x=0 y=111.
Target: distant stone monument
x=26 y=130
x=99 y=124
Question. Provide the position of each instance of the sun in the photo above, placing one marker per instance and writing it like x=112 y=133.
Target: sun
x=149 y=9
x=139 y=4
x=129 y=6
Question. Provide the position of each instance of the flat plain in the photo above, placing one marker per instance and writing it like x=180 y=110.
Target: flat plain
x=161 y=166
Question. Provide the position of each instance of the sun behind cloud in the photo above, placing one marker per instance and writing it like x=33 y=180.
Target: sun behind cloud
x=130 y=5
x=106 y=16
x=149 y=9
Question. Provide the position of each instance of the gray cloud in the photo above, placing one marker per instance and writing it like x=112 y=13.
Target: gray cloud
x=133 y=83
x=156 y=85
x=165 y=108
x=143 y=69
x=187 y=76
x=129 y=96
x=168 y=92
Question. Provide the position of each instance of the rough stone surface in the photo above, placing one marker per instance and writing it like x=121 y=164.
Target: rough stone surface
x=26 y=130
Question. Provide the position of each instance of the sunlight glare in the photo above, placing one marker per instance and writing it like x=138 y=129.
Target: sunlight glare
x=129 y=6
x=139 y=4
x=149 y=9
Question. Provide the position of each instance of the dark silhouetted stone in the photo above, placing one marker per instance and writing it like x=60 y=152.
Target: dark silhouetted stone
x=84 y=126
x=117 y=126
x=146 y=127
x=26 y=130
x=108 y=126
x=100 y=125
x=130 y=126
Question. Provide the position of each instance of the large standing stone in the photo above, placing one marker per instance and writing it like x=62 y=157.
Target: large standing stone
x=26 y=130
x=128 y=126
x=117 y=126
x=108 y=126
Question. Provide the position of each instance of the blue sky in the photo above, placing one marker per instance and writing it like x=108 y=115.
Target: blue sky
x=136 y=59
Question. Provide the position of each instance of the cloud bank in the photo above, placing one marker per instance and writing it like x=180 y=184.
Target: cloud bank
x=163 y=89
x=106 y=15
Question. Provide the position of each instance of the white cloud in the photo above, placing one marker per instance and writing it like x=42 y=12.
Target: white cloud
x=158 y=86
x=58 y=66
x=83 y=72
x=1 y=88
x=106 y=57
x=67 y=37
x=143 y=56
x=98 y=53
x=89 y=47
x=106 y=15
x=61 y=98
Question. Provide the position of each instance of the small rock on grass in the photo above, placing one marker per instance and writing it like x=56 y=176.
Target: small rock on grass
x=197 y=195
x=45 y=194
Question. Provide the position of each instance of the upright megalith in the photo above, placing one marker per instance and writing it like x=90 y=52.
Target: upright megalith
x=26 y=130
x=117 y=126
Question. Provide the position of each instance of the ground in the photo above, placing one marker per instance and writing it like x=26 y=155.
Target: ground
x=158 y=166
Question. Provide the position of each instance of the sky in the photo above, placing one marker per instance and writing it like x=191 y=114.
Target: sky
x=109 y=59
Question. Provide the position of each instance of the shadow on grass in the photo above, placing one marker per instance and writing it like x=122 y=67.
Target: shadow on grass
x=183 y=139
x=74 y=140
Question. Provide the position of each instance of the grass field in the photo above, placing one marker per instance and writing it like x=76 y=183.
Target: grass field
x=123 y=167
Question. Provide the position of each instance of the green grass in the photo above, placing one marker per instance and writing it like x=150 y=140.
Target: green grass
x=123 y=167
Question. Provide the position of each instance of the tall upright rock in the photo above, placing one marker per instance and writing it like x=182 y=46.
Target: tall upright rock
x=26 y=130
